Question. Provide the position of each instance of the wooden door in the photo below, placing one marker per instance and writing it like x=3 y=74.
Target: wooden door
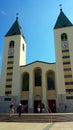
x=52 y=105
x=36 y=103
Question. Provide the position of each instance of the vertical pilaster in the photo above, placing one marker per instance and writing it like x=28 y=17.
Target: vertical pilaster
x=31 y=93
x=43 y=88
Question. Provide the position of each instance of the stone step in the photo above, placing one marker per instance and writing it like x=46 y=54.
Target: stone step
x=47 y=117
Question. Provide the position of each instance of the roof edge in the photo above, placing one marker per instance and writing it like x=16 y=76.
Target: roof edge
x=36 y=62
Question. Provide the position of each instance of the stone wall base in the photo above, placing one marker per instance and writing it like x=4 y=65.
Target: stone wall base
x=5 y=104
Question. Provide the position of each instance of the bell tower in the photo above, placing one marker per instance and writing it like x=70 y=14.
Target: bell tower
x=63 y=31
x=14 y=57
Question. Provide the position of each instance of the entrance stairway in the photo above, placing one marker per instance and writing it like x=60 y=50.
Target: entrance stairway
x=41 y=117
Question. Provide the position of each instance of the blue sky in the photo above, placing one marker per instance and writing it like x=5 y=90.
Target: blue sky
x=37 y=19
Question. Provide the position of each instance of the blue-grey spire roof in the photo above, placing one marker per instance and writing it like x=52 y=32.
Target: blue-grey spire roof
x=15 y=29
x=62 y=21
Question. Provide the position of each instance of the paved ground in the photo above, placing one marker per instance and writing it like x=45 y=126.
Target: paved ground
x=36 y=126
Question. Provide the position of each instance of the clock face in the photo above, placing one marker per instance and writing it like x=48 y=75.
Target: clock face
x=65 y=45
x=10 y=51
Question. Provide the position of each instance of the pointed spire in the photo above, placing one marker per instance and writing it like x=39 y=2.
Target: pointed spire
x=62 y=20
x=15 y=29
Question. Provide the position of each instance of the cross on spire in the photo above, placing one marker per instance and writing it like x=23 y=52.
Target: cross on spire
x=60 y=7
x=17 y=15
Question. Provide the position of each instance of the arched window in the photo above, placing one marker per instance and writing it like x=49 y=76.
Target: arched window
x=25 y=85
x=50 y=80
x=38 y=77
x=11 y=44
x=64 y=37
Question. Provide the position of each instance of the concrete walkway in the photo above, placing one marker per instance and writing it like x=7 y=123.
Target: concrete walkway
x=36 y=126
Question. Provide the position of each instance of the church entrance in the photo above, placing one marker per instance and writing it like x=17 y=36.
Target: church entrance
x=37 y=103
x=25 y=105
x=52 y=105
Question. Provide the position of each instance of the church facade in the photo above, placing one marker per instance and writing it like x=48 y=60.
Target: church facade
x=38 y=82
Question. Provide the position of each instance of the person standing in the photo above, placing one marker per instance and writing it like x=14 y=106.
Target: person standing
x=43 y=108
x=11 y=110
x=65 y=107
x=20 y=109
x=38 y=108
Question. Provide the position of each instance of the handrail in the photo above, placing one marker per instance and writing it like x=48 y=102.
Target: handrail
x=49 y=110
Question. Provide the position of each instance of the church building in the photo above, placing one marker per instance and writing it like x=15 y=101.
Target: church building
x=38 y=82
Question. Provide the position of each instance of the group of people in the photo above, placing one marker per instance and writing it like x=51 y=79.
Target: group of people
x=20 y=109
x=41 y=108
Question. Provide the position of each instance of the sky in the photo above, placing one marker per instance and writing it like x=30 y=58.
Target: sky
x=37 y=19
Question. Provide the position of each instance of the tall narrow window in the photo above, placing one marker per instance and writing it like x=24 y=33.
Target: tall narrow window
x=25 y=85
x=11 y=44
x=64 y=37
x=38 y=77
x=50 y=80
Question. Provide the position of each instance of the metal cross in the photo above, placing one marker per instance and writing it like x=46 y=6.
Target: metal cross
x=17 y=15
x=60 y=7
